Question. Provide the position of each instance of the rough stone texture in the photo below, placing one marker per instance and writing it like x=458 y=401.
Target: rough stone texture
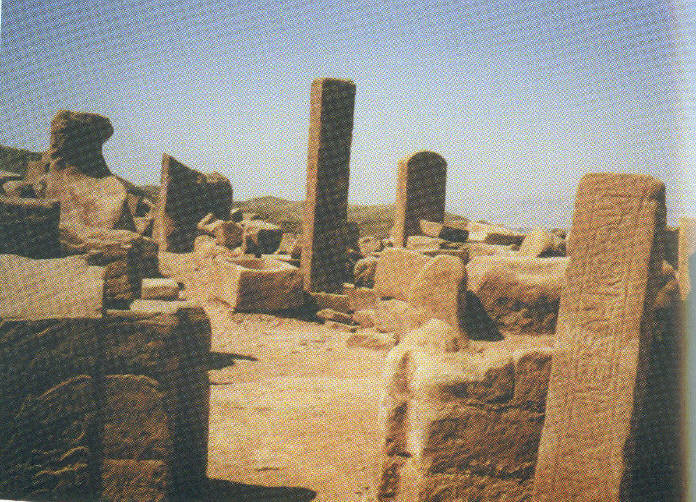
x=519 y=295
x=540 y=243
x=332 y=301
x=445 y=231
x=186 y=196
x=91 y=403
x=440 y=289
x=608 y=368
x=423 y=242
x=454 y=426
x=205 y=250
x=420 y=194
x=399 y=317
x=364 y=272
x=670 y=244
x=687 y=247
x=126 y=256
x=29 y=227
x=361 y=298
x=475 y=249
x=494 y=234
x=368 y=245
x=397 y=268
x=52 y=288
x=256 y=284
x=260 y=237
x=159 y=289
x=326 y=205
x=437 y=335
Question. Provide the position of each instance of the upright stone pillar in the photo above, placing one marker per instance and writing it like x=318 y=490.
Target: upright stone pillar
x=420 y=194
x=326 y=205
x=610 y=418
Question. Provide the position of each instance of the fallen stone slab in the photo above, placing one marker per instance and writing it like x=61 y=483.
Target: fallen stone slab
x=365 y=318
x=371 y=339
x=332 y=301
x=333 y=315
x=494 y=234
x=445 y=231
x=159 y=289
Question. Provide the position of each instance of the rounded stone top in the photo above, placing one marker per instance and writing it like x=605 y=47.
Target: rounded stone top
x=87 y=127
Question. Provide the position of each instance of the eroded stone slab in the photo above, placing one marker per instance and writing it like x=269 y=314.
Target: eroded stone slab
x=599 y=381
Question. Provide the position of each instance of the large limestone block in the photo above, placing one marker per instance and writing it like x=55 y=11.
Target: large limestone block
x=519 y=294
x=159 y=289
x=396 y=270
x=540 y=243
x=399 y=317
x=494 y=234
x=440 y=289
x=602 y=440
x=50 y=289
x=256 y=284
x=453 y=427
x=29 y=227
x=186 y=196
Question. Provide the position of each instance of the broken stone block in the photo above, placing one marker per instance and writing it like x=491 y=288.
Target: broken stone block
x=542 y=244
x=229 y=234
x=371 y=339
x=364 y=272
x=256 y=284
x=520 y=295
x=445 y=231
x=437 y=335
x=396 y=270
x=335 y=316
x=396 y=316
x=186 y=196
x=440 y=289
x=332 y=301
x=452 y=427
x=159 y=289
x=52 y=288
x=29 y=227
x=494 y=234
x=261 y=237
x=361 y=298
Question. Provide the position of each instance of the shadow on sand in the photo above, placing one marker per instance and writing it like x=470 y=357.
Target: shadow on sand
x=228 y=491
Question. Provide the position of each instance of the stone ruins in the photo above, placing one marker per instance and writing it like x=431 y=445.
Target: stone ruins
x=539 y=365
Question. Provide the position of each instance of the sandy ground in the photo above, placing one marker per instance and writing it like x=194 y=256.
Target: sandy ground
x=301 y=418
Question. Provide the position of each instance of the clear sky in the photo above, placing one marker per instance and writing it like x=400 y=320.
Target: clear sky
x=520 y=97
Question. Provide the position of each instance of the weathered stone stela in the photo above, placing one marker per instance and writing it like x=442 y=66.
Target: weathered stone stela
x=594 y=445
x=420 y=194
x=326 y=205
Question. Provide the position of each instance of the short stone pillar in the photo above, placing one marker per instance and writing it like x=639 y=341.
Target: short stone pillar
x=326 y=205
x=420 y=194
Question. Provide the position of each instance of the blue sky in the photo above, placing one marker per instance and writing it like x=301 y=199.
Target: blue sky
x=521 y=98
